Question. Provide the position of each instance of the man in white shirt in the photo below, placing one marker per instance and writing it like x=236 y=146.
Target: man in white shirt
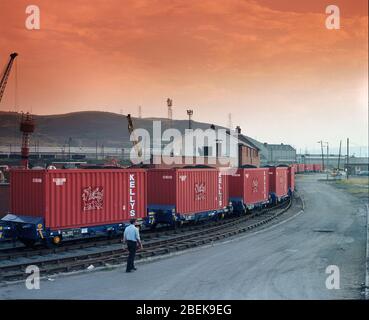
x=132 y=238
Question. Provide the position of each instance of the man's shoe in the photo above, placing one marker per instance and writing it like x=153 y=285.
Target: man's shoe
x=134 y=268
x=128 y=270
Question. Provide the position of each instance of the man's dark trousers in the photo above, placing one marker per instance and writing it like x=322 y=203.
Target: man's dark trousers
x=132 y=245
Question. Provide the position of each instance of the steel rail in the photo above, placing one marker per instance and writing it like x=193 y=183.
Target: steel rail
x=154 y=247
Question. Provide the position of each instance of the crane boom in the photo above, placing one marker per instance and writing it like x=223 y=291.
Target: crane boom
x=131 y=132
x=5 y=76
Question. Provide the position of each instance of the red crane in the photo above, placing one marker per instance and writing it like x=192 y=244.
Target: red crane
x=27 y=127
x=27 y=124
x=5 y=76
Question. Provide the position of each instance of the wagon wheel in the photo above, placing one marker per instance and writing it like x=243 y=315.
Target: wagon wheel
x=56 y=240
x=111 y=234
x=177 y=224
x=52 y=242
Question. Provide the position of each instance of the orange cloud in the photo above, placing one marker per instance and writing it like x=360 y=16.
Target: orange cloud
x=250 y=54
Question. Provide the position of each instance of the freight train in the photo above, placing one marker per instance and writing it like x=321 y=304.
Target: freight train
x=52 y=206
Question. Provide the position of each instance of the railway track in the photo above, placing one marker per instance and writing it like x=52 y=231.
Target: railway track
x=154 y=245
x=12 y=253
x=15 y=252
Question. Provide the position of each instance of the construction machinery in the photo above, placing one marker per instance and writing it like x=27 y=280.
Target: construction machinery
x=27 y=124
x=134 y=139
x=27 y=127
x=5 y=76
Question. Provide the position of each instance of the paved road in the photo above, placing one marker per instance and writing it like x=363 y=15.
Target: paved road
x=287 y=261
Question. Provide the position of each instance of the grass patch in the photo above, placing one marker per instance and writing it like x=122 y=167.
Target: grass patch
x=359 y=181
x=357 y=186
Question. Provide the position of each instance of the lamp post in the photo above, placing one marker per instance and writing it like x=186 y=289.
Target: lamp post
x=321 y=145
x=189 y=113
x=327 y=156
x=69 y=143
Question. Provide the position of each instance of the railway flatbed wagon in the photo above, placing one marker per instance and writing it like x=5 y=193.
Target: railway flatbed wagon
x=53 y=205
x=278 y=183
x=300 y=168
x=309 y=168
x=291 y=179
x=4 y=198
x=177 y=195
x=249 y=188
x=295 y=167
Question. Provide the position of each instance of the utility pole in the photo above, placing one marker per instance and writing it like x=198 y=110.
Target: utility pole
x=96 y=150
x=327 y=162
x=339 y=156
x=321 y=145
x=139 y=112
x=189 y=113
x=347 y=163
x=69 y=142
x=170 y=110
x=230 y=125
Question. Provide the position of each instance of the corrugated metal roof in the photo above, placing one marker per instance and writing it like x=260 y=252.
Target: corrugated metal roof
x=284 y=147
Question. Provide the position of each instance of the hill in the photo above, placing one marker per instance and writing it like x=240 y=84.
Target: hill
x=85 y=128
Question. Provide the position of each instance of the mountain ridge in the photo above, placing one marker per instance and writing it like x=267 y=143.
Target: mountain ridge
x=85 y=128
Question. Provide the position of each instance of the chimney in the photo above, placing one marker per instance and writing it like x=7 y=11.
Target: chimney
x=238 y=129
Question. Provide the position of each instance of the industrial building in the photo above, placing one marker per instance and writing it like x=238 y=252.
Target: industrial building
x=279 y=154
x=247 y=152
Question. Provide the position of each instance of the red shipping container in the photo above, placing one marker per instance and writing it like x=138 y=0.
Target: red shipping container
x=317 y=167
x=79 y=198
x=250 y=184
x=300 y=167
x=278 y=181
x=309 y=167
x=4 y=199
x=189 y=191
x=291 y=178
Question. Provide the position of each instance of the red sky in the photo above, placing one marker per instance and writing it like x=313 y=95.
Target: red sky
x=271 y=63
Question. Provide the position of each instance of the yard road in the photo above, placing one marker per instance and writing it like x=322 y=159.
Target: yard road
x=285 y=261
